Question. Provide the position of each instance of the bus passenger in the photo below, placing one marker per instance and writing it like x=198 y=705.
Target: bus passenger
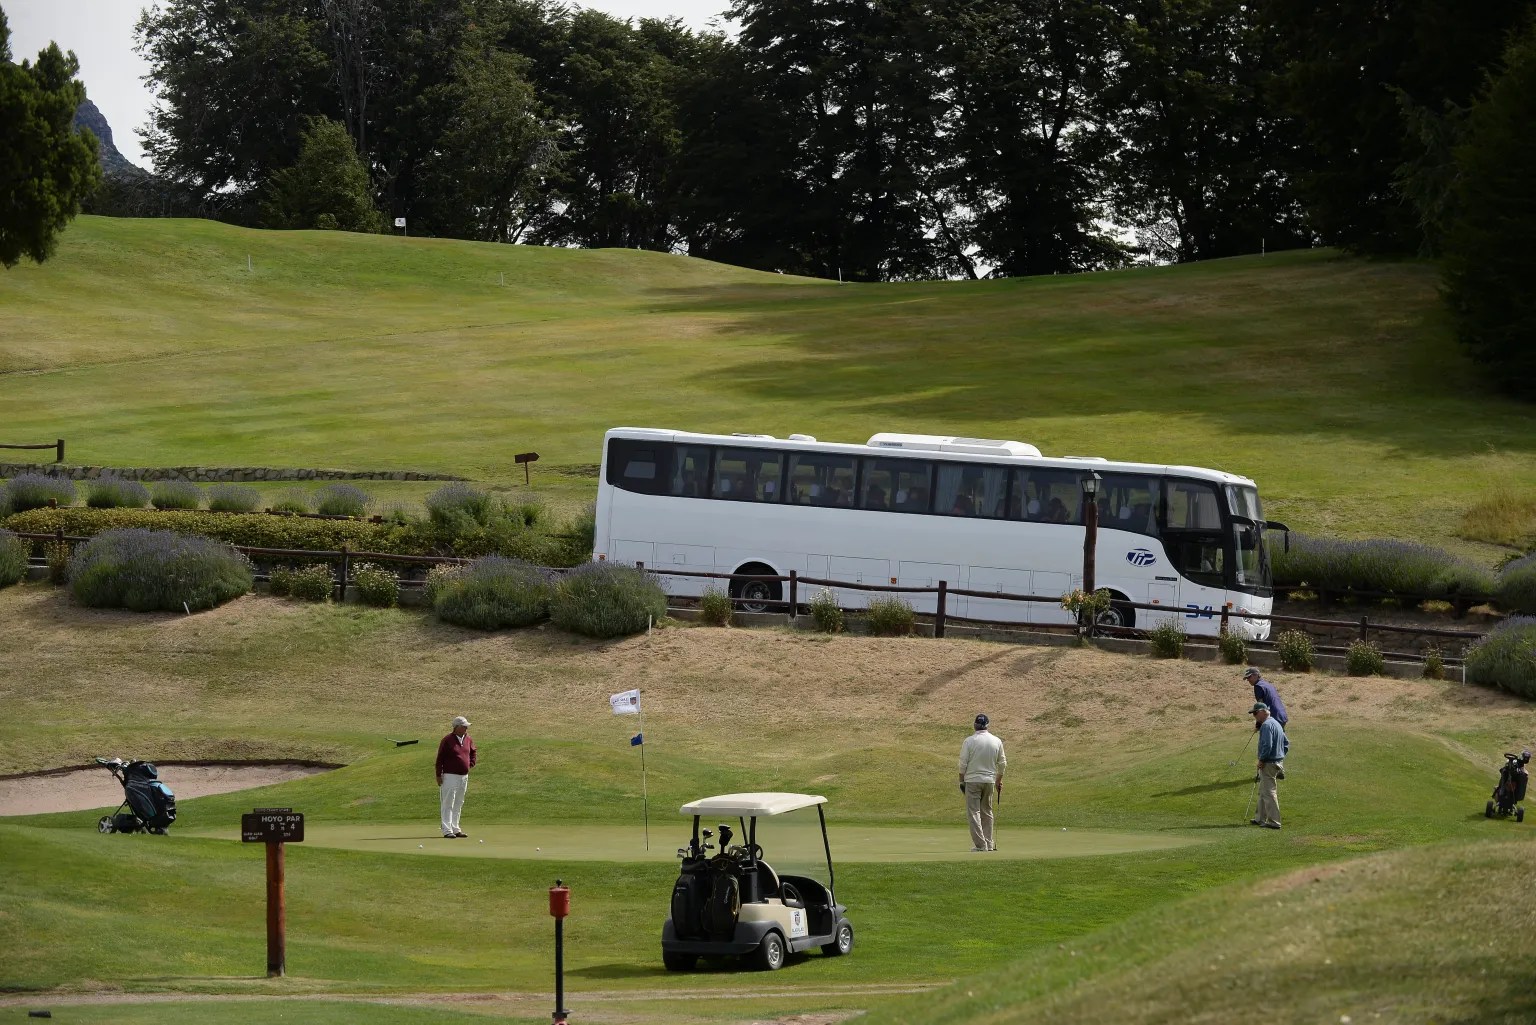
x=1056 y=512
x=963 y=506
x=874 y=498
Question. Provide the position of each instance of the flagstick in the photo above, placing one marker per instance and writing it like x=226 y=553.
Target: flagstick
x=645 y=802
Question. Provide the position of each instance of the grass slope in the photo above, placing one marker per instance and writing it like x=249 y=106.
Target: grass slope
x=1099 y=744
x=1333 y=382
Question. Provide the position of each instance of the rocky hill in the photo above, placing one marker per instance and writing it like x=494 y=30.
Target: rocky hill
x=112 y=160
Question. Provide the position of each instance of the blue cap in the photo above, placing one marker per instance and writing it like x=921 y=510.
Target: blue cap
x=982 y=720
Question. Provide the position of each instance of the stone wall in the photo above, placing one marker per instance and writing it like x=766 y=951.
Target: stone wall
x=213 y=474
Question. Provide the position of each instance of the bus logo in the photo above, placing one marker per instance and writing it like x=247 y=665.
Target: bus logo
x=1140 y=557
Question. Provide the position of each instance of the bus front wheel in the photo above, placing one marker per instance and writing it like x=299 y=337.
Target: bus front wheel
x=1119 y=614
x=755 y=595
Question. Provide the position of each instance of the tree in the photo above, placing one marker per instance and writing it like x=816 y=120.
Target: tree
x=1202 y=151
x=326 y=188
x=46 y=168
x=1348 y=68
x=1489 y=262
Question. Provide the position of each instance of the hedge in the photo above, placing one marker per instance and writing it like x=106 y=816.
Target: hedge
x=260 y=530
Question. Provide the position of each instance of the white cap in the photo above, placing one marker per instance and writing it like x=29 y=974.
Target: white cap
x=459 y=720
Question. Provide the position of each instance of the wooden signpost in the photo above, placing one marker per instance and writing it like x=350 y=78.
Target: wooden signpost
x=525 y=458
x=274 y=827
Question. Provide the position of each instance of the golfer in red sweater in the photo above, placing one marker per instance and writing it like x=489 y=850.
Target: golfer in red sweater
x=455 y=757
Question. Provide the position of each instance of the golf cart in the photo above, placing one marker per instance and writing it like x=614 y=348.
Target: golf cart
x=732 y=903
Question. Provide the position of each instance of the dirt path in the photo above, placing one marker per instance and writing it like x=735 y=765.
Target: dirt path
x=79 y=789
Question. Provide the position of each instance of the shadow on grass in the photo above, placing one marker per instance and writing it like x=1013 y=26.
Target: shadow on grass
x=1205 y=788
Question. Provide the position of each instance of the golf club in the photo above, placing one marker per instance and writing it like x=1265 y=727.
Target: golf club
x=1253 y=799
x=1245 y=748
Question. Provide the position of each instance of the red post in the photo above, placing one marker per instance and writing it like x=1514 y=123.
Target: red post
x=277 y=914
x=559 y=907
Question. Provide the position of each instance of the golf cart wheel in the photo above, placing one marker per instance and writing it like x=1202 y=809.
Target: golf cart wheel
x=769 y=956
x=104 y=825
x=1519 y=814
x=842 y=944
x=675 y=962
x=1488 y=811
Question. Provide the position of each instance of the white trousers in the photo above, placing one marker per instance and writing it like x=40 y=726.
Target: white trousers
x=451 y=797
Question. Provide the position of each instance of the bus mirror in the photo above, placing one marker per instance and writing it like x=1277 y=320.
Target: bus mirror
x=1277 y=525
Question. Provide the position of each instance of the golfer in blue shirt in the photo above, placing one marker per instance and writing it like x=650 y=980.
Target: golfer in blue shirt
x=1272 y=748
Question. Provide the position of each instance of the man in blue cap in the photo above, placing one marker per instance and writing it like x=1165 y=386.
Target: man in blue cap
x=1265 y=691
x=1272 y=747
x=981 y=780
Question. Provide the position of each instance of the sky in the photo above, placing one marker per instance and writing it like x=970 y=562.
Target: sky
x=101 y=34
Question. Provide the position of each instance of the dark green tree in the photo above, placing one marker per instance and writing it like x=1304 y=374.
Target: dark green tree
x=46 y=168
x=326 y=188
x=236 y=81
x=1202 y=146
x=1030 y=134
x=1349 y=68
x=1489 y=262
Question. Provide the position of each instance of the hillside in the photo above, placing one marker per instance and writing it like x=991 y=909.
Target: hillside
x=1331 y=381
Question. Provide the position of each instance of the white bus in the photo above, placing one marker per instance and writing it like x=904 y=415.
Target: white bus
x=912 y=510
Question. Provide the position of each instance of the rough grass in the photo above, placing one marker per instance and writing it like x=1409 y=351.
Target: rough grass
x=1503 y=516
x=515 y=364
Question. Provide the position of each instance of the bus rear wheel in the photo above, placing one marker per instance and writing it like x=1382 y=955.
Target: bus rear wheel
x=755 y=595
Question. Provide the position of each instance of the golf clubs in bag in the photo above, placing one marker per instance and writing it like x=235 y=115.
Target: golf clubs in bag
x=1510 y=791
x=148 y=804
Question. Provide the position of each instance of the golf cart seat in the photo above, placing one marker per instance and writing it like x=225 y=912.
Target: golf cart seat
x=765 y=885
x=814 y=897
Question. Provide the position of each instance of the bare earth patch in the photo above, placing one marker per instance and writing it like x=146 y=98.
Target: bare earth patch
x=80 y=789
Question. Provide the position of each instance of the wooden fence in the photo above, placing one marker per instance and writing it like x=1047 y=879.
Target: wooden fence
x=1363 y=628
x=57 y=446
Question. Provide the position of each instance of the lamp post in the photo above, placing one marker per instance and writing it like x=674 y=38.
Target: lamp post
x=1091 y=528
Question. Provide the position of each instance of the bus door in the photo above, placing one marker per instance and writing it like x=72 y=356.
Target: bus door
x=1197 y=548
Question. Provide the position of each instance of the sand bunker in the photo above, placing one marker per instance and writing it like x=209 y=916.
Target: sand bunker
x=94 y=787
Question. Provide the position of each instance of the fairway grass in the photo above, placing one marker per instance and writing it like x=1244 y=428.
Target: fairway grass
x=572 y=842
x=1332 y=382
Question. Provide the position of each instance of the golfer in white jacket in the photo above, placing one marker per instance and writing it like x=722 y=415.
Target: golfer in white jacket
x=981 y=780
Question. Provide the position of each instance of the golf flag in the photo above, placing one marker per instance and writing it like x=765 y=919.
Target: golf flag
x=637 y=740
x=627 y=703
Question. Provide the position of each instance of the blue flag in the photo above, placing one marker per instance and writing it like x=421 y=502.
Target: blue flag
x=637 y=740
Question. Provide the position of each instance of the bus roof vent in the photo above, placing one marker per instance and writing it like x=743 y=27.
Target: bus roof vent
x=801 y=437
x=744 y=434
x=941 y=443
x=1086 y=459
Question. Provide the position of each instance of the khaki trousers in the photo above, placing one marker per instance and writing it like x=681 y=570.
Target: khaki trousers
x=1269 y=799
x=978 y=803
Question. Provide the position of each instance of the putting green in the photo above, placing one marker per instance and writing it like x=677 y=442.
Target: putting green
x=782 y=843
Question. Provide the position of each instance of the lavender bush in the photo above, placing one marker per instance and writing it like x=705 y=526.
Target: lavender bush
x=341 y=500
x=175 y=494
x=233 y=498
x=34 y=491
x=1516 y=589
x=1391 y=567
x=1506 y=658
x=457 y=505
x=491 y=593
x=599 y=599
x=116 y=493
x=13 y=558
x=145 y=570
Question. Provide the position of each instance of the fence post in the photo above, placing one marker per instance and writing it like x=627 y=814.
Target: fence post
x=939 y=609
x=346 y=569
x=1225 y=611
x=1364 y=625
x=794 y=594
x=60 y=457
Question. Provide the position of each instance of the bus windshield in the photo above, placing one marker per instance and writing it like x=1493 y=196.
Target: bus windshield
x=1252 y=563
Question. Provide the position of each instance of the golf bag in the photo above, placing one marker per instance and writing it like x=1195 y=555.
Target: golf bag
x=1510 y=791
x=148 y=805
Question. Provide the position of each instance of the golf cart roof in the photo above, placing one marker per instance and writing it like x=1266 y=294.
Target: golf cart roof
x=752 y=804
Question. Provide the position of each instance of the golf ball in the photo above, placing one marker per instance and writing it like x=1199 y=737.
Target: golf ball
x=419 y=846
x=1063 y=829
x=538 y=848
x=482 y=841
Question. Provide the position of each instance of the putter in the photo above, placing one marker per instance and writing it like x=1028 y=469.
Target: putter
x=1243 y=751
